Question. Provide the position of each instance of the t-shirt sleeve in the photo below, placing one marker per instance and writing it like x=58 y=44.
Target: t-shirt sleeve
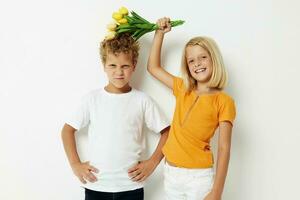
x=80 y=118
x=155 y=120
x=227 y=110
x=177 y=85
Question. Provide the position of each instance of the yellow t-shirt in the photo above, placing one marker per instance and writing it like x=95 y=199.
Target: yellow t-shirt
x=194 y=123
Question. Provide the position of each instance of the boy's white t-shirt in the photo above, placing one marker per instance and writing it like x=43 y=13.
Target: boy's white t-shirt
x=115 y=134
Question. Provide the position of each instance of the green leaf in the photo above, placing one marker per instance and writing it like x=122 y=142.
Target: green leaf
x=177 y=23
x=147 y=26
x=138 y=16
x=124 y=30
x=140 y=34
x=123 y=26
x=137 y=33
x=129 y=19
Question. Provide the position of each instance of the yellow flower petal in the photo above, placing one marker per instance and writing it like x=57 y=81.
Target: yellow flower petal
x=123 y=11
x=117 y=16
x=110 y=35
x=112 y=26
x=122 y=21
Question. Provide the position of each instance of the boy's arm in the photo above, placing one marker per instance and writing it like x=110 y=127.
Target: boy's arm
x=224 y=144
x=154 y=60
x=144 y=169
x=82 y=170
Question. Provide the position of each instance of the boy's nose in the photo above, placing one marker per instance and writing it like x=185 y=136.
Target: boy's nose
x=119 y=71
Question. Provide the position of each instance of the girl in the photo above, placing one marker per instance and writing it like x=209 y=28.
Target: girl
x=201 y=108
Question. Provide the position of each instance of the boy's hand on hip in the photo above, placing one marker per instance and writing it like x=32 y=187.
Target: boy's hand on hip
x=142 y=170
x=84 y=172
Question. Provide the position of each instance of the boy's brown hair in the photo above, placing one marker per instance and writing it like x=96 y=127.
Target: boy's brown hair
x=121 y=43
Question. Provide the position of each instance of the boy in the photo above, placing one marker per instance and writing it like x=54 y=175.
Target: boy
x=115 y=115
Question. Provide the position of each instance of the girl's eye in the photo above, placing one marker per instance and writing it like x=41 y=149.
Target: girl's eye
x=203 y=56
x=191 y=61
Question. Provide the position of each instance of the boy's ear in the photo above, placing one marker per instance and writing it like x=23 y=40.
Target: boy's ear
x=103 y=67
x=134 y=65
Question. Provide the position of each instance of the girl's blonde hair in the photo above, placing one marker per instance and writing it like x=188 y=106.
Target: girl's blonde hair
x=218 y=78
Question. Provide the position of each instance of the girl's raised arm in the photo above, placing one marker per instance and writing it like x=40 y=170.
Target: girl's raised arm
x=154 y=60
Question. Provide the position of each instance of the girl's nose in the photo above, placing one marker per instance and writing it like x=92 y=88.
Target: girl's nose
x=198 y=63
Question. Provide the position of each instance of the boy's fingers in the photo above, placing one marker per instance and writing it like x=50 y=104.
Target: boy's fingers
x=90 y=177
x=82 y=180
x=144 y=178
x=138 y=177
x=93 y=169
x=134 y=168
x=135 y=173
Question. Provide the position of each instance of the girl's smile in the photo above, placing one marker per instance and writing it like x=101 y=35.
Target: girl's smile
x=199 y=63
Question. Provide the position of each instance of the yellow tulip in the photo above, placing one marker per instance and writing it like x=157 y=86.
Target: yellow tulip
x=123 y=11
x=112 y=26
x=122 y=21
x=117 y=16
x=110 y=35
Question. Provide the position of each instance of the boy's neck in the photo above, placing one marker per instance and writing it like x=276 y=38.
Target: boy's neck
x=112 y=89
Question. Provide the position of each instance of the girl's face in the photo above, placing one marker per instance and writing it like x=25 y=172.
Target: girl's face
x=199 y=63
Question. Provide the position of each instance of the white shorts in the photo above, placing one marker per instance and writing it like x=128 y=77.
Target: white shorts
x=187 y=184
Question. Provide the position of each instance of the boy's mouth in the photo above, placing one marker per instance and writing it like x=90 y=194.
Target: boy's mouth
x=119 y=78
x=203 y=69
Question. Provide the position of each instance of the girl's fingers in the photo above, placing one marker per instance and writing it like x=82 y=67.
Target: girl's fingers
x=161 y=25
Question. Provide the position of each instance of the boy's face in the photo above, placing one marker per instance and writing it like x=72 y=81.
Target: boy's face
x=119 y=69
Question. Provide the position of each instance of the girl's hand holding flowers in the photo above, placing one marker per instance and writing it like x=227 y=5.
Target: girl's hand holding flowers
x=164 y=25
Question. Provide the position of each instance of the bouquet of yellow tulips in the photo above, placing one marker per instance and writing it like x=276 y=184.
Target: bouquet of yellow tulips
x=133 y=24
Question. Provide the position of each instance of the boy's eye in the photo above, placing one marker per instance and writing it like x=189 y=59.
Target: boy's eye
x=111 y=66
x=126 y=67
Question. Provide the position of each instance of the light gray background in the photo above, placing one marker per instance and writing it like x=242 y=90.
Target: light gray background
x=49 y=59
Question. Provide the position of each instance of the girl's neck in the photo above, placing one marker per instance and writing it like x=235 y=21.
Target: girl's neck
x=204 y=89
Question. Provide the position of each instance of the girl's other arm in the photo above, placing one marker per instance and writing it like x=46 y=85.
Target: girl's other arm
x=154 y=61
x=224 y=144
